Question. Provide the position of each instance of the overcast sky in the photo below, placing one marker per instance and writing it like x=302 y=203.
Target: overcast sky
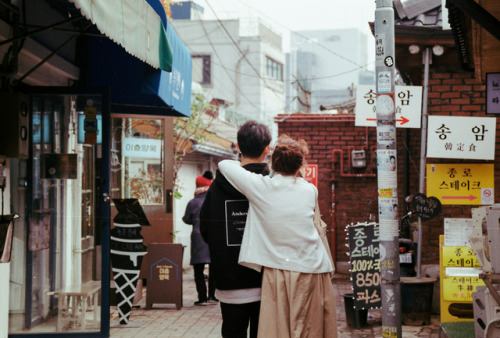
x=297 y=15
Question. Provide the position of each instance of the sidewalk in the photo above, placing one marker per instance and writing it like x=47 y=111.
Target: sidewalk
x=205 y=321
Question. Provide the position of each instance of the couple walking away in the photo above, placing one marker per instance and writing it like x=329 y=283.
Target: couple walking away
x=268 y=259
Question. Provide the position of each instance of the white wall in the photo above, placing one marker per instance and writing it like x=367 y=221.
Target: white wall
x=238 y=72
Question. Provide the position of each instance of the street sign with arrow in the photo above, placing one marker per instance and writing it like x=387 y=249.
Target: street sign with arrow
x=408 y=106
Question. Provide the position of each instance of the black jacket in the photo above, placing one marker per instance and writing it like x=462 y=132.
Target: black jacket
x=215 y=227
x=199 y=248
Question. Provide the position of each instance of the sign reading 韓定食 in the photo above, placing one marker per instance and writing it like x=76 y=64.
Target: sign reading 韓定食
x=454 y=183
x=461 y=137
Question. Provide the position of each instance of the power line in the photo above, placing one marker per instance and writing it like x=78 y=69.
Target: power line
x=243 y=54
x=308 y=39
x=227 y=72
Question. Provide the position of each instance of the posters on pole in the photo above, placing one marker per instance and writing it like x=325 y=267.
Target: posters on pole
x=461 y=137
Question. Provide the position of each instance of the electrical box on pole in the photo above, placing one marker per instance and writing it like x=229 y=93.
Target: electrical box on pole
x=387 y=175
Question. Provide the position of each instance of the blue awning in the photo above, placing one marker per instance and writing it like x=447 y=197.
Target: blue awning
x=138 y=88
x=139 y=84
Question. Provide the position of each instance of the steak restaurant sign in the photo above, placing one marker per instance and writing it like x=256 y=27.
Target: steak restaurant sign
x=461 y=137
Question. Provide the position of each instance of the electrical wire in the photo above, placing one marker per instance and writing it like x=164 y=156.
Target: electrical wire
x=303 y=36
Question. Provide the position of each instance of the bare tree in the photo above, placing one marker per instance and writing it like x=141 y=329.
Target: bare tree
x=189 y=131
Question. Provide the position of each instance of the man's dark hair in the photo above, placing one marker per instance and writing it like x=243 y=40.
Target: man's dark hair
x=253 y=138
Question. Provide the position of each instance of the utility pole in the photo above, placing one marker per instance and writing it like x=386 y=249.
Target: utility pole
x=387 y=170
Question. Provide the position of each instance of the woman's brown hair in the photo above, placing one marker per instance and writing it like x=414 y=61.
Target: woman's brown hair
x=288 y=155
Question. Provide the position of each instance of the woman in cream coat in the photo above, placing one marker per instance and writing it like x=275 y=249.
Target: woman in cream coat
x=280 y=237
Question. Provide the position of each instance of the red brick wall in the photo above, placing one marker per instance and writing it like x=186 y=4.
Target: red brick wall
x=355 y=194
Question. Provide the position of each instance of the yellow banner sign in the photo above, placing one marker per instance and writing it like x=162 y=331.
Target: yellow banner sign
x=461 y=183
x=460 y=288
x=459 y=256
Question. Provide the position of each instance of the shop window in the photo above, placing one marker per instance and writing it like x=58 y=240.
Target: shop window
x=137 y=160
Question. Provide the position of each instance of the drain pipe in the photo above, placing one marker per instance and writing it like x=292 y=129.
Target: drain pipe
x=423 y=146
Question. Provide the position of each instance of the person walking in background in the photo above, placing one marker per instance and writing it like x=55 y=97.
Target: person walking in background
x=200 y=254
x=280 y=235
x=222 y=221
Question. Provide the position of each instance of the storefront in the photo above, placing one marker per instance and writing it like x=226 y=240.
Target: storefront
x=108 y=138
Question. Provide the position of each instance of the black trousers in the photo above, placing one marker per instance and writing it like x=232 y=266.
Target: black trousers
x=236 y=317
x=201 y=286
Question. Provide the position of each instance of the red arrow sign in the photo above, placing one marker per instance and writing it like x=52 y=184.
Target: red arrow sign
x=403 y=120
x=470 y=197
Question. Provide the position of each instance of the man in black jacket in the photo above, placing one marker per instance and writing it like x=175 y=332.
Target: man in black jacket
x=222 y=222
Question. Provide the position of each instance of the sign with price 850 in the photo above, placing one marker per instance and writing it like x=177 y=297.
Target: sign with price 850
x=365 y=265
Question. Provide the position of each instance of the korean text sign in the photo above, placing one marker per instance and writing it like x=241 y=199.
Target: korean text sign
x=461 y=273
x=407 y=101
x=458 y=183
x=461 y=137
x=365 y=265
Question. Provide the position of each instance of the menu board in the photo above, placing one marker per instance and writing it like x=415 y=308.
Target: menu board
x=365 y=265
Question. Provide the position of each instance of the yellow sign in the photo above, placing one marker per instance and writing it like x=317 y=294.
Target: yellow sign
x=461 y=183
x=459 y=256
x=386 y=193
x=460 y=288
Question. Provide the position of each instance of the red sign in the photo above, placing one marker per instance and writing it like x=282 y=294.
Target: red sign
x=311 y=174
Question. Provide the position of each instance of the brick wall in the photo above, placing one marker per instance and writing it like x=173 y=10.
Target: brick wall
x=354 y=198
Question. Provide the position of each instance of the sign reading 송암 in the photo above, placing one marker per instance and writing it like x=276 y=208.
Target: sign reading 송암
x=365 y=265
x=461 y=137
x=453 y=183
x=407 y=100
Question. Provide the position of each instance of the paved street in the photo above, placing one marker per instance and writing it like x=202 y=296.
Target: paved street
x=205 y=321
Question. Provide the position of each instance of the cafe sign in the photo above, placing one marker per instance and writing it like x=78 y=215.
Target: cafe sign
x=141 y=147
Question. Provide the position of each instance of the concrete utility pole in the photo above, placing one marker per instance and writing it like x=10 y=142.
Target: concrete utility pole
x=387 y=170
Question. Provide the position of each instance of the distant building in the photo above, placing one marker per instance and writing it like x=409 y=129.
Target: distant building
x=237 y=61
x=329 y=63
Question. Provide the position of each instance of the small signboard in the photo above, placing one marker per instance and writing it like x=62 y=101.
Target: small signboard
x=492 y=93
x=236 y=218
x=452 y=183
x=59 y=166
x=461 y=137
x=164 y=262
x=461 y=273
x=142 y=147
x=407 y=101
x=426 y=207
x=365 y=265
x=311 y=174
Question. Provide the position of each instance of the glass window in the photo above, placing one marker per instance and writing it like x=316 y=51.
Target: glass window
x=274 y=69
x=137 y=160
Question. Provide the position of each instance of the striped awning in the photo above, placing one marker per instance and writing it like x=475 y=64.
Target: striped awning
x=139 y=26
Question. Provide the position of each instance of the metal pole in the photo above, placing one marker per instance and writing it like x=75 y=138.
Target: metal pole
x=423 y=146
x=387 y=170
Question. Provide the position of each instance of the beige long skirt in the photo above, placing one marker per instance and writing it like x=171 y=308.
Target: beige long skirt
x=295 y=304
